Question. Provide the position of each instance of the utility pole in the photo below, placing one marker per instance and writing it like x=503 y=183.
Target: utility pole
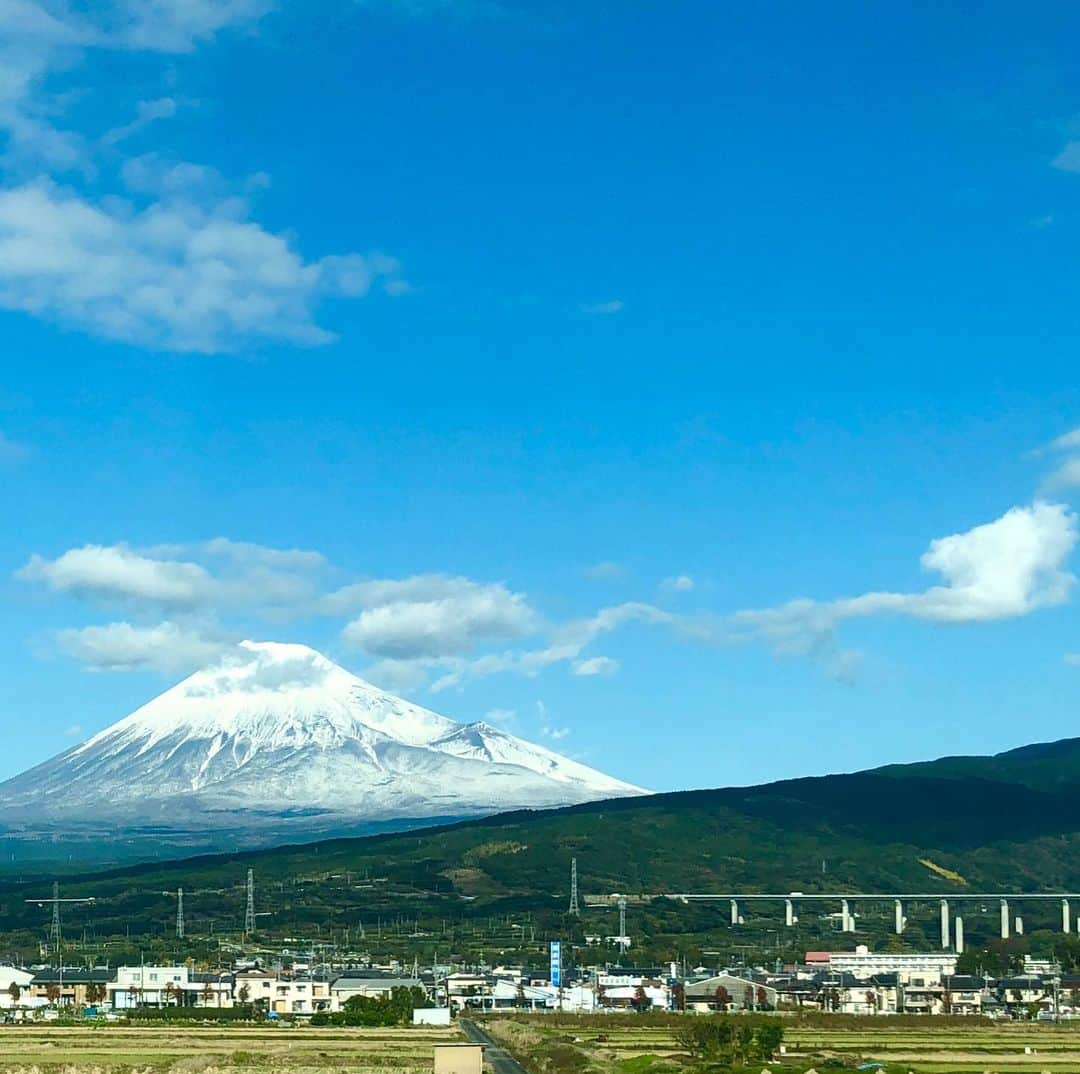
x=575 y=910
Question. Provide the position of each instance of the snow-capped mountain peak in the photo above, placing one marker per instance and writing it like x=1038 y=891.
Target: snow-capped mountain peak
x=278 y=730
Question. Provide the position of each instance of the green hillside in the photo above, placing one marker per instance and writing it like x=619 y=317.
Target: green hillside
x=900 y=829
x=1045 y=766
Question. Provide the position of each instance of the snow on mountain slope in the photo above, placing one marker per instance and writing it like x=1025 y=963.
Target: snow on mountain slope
x=278 y=730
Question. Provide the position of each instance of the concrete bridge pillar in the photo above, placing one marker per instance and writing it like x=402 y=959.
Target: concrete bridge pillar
x=898 y=910
x=1066 y=917
x=734 y=912
x=944 y=924
x=958 y=935
x=1004 y=919
x=847 y=919
x=1018 y=925
x=789 y=913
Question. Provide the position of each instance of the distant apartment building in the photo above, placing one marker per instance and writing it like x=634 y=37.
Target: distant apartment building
x=864 y=963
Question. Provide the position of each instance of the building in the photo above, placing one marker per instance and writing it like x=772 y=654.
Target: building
x=148 y=986
x=371 y=984
x=14 y=983
x=728 y=992
x=864 y=963
x=71 y=986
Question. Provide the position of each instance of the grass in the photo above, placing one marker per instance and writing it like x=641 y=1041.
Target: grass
x=624 y=1045
x=112 y=1049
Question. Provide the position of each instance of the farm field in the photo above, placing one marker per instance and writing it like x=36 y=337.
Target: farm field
x=112 y=1049
x=929 y=1047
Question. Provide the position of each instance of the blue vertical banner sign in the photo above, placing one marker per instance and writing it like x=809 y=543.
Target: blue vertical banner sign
x=556 y=963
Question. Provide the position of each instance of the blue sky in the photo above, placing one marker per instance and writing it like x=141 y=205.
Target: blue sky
x=615 y=367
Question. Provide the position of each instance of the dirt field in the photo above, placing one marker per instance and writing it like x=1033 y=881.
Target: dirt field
x=110 y=1049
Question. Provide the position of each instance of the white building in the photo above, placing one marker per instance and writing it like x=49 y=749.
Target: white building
x=10 y=975
x=147 y=986
x=864 y=963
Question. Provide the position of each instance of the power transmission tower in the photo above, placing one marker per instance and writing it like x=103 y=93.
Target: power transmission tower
x=55 y=932
x=54 y=928
x=575 y=910
x=249 y=913
x=624 y=940
x=179 y=913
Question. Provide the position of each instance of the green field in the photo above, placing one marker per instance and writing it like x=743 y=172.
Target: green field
x=110 y=1049
x=627 y=1045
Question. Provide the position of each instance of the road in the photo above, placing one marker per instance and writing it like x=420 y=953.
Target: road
x=499 y=1060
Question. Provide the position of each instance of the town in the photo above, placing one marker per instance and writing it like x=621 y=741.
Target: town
x=854 y=982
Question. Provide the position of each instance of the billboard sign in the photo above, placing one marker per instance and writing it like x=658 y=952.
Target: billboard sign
x=556 y=963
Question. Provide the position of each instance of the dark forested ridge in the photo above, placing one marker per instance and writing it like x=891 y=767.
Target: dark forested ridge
x=1010 y=822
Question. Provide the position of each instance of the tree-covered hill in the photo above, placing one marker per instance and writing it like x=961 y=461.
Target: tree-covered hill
x=901 y=829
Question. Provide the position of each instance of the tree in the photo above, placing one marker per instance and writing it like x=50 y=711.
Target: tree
x=678 y=996
x=15 y=992
x=172 y=995
x=52 y=994
x=208 y=993
x=95 y=992
x=748 y=998
x=244 y=994
x=722 y=998
x=641 y=1001
x=768 y=1037
x=762 y=998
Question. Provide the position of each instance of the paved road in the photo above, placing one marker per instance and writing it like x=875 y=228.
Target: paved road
x=499 y=1060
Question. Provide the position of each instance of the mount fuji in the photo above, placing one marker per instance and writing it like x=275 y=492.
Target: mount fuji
x=276 y=742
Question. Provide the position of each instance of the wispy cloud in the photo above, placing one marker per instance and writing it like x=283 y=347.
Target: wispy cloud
x=12 y=451
x=596 y=665
x=605 y=571
x=680 y=583
x=146 y=112
x=1068 y=160
x=615 y=305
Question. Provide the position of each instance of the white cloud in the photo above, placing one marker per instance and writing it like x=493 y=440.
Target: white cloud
x=616 y=305
x=432 y=616
x=179 y=274
x=566 y=645
x=1072 y=659
x=1068 y=160
x=73 y=731
x=596 y=665
x=556 y=734
x=189 y=270
x=217 y=575
x=1004 y=569
x=118 y=573
x=122 y=646
x=146 y=112
x=681 y=583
